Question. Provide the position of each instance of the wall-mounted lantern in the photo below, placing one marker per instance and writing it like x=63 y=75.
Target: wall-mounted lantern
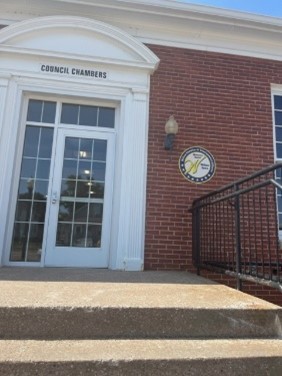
x=171 y=129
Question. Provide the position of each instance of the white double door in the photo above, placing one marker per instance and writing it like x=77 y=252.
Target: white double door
x=78 y=217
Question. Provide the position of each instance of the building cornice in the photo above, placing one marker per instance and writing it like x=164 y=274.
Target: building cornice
x=167 y=23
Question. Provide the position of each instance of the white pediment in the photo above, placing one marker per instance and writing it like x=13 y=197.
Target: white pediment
x=76 y=37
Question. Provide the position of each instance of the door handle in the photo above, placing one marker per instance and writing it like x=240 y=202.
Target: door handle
x=54 y=197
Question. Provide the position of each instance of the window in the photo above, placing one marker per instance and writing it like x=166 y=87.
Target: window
x=277 y=114
x=88 y=115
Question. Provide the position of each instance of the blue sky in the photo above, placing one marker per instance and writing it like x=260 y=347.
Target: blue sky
x=264 y=7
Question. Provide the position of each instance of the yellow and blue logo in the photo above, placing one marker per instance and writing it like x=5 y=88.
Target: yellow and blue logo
x=197 y=165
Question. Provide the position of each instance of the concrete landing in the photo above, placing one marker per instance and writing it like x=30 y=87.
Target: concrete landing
x=46 y=287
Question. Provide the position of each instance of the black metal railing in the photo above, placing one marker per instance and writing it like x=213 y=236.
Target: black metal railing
x=236 y=229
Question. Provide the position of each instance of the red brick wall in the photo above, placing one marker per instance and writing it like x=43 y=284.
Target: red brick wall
x=222 y=103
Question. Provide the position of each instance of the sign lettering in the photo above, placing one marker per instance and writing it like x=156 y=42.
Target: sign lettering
x=73 y=71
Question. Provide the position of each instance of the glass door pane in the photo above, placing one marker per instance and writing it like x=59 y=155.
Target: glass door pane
x=82 y=193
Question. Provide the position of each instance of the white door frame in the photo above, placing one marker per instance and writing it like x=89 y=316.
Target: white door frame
x=127 y=231
x=24 y=94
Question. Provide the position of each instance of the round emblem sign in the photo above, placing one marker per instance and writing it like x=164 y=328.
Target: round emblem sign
x=197 y=165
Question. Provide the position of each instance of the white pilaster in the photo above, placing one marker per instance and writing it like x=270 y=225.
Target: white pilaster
x=133 y=196
x=8 y=131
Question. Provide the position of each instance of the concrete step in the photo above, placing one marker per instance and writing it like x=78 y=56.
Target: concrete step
x=141 y=357
x=111 y=322
x=69 y=304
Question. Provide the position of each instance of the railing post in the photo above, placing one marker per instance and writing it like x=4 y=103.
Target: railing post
x=238 y=238
x=196 y=238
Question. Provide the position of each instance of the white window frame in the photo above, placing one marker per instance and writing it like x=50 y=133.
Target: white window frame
x=276 y=91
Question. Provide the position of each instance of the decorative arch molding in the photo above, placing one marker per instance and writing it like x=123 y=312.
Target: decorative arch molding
x=77 y=38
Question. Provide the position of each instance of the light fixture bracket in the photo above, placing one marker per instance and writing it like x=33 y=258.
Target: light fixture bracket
x=171 y=129
x=169 y=139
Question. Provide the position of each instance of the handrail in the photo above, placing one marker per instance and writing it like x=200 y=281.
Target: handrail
x=235 y=229
x=238 y=193
x=243 y=180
